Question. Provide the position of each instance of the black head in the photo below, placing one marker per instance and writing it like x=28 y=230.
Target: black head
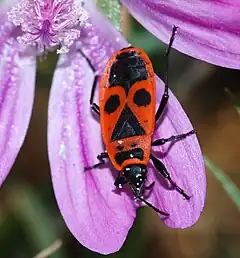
x=136 y=177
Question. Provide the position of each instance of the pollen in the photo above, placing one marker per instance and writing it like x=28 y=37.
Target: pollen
x=49 y=24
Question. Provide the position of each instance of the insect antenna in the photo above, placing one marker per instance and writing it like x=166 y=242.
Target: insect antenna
x=146 y=202
x=153 y=207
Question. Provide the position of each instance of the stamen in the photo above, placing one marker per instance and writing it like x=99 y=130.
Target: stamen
x=48 y=24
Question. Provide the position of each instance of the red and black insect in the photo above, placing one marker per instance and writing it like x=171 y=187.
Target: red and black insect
x=128 y=117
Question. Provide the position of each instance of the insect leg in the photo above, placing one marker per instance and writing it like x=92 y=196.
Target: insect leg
x=162 y=141
x=147 y=203
x=162 y=169
x=101 y=158
x=120 y=181
x=93 y=105
x=149 y=187
x=165 y=96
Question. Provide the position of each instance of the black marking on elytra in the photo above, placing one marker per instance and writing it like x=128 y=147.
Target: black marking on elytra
x=127 y=126
x=142 y=97
x=112 y=104
x=133 y=144
x=120 y=157
x=128 y=68
x=120 y=148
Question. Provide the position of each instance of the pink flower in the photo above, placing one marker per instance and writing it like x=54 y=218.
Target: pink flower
x=40 y=25
x=96 y=215
x=49 y=23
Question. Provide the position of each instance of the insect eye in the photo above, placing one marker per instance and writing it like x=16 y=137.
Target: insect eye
x=142 y=98
x=112 y=104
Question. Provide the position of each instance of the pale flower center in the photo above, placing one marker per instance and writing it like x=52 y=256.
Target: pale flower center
x=48 y=24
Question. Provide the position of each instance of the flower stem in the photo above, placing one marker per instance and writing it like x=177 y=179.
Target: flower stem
x=112 y=9
x=227 y=184
x=50 y=250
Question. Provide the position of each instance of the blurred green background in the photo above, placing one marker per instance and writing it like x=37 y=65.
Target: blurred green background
x=29 y=216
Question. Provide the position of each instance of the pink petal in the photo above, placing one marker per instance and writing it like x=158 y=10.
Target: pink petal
x=96 y=216
x=208 y=30
x=100 y=41
x=17 y=80
x=5 y=6
x=6 y=28
x=184 y=162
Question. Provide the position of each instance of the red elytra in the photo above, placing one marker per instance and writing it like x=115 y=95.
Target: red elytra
x=143 y=112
